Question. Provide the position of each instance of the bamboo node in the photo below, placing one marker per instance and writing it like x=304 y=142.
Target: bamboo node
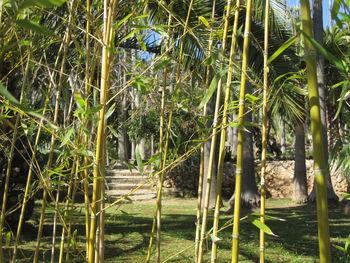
x=246 y=34
x=239 y=171
x=309 y=53
x=92 y=217
x=241 y=102
x=235 y=236
x=262 y=248
x=318 y=171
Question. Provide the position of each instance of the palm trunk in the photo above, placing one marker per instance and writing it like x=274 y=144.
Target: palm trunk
x=299 y=181
x=239 y=164
x=317 y=136
x=283 y=137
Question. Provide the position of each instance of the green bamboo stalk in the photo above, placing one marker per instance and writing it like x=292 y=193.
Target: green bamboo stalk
x=213 y=144
x=264 y=132
x=109 y=13
x=317 y=137
x=223 y=134
x=239 y=164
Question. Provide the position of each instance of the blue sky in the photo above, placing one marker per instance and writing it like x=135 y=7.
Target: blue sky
x=325 y=9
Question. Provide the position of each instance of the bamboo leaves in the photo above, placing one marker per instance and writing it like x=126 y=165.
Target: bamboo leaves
x=212 y=88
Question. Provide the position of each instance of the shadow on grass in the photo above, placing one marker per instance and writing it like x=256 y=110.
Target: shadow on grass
x=127 y=236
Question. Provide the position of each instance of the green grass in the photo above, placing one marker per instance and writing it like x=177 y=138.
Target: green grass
x=128 y=229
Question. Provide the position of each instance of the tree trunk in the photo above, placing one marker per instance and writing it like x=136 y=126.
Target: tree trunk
x=318 y=34
x=123 y=151
x=283 y=137
x=299 y=180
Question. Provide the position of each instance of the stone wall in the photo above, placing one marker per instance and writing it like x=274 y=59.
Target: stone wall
x=183 y=180
x=279 y=179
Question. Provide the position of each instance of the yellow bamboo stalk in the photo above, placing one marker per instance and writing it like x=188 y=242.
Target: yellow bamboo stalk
x=88 y=81
x=165 y=147
x=201 y=168
x=12 y=150
x=64 y=49
x=223 y=134
x=320 y=165
x=27 y=191
x=264 y=132
x=213 y=144
x=7 y=180
x=66 y=216
x=161 y=137
x=109 y=13
x=239 y=164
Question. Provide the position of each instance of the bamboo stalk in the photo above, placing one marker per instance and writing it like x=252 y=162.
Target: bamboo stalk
x=53 y=139
x=27 y=191
x=12 y=151
x=201 y=168
x=223 y=134
x=88 y=80
x=264 y=132
x=239 y=164
x=161 y=135
x=166 y=146
x=7 y=178
x=69 y=200
x=213 y=144
x=109 y=13
x=317 y=137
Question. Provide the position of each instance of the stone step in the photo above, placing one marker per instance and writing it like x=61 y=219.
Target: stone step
x=122 y=181
x=113 y=198
x=127 y=186
x=140 y=194
x=127 y=171
x=133 y=179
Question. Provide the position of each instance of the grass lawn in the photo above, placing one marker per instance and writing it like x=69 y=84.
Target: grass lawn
x=128 y=228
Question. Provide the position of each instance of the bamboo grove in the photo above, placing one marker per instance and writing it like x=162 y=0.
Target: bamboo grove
x=77 y=78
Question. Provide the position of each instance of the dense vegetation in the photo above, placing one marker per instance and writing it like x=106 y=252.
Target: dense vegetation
x=86 y=85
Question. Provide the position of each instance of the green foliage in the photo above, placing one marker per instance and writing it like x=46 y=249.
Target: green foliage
x=143 y=125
